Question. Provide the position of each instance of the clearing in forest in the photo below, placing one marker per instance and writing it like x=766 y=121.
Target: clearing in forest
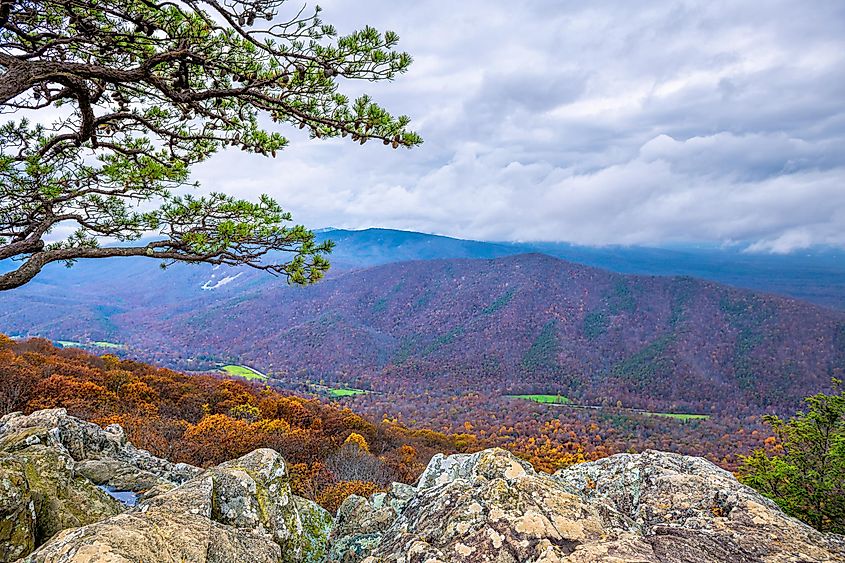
x=544 y=399
x=245 y=372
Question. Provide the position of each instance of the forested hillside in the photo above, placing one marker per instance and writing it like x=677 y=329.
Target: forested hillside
x=204 y=420
x=386 y=436
x=446 y=344
x=526 y=324
x=513 y=325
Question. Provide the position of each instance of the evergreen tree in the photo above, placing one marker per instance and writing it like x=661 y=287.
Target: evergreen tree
x=804 y=471
x=115 y=100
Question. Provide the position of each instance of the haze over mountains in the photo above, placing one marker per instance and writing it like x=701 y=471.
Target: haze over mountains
x=456 y=314
x=816 y=275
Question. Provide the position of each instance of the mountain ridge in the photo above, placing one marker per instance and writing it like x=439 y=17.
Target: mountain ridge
x=817 y=276
x=512 y=324
x=521 y=323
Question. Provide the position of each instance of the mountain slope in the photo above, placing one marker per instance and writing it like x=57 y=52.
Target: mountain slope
x=525 y=323
x=817 y=276
x=535 y=323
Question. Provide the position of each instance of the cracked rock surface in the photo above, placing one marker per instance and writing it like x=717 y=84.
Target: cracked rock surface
x=53 y=470
x=653 y=507
x=490 y=506
x=241 y=510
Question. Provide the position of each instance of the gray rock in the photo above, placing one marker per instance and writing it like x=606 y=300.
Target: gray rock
x=396 y=497
x=687 y=509
x=61 y=498
x=42 y=493
x=485 y=507
x=486 y=463
x=357 y=515
x=54 y=464
x=17 y=511
x=122 y=465
x=488 y=506
x=241 y=510
x=360 y=522
x=119 y=475
x=650 y=508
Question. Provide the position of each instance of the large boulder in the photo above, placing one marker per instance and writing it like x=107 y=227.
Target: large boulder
x=650 y=508
x=41 y=491
x=360 y=522
x=242 y=510
x=688 y=509
x=103 y=455
x=59 y=472
x=61 y=478
x=487 y=506
x=61 y=498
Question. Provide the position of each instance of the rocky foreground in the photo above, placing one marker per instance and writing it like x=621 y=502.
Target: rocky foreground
x=73 y=492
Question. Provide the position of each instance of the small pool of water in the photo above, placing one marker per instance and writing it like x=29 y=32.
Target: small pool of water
x=127 y=498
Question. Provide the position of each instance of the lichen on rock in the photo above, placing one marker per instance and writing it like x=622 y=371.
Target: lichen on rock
x=489 y=506
x=51 y=496
x=650 y=508
x=241 y=510
x=103 y=455
x=687 y=508
x=17 y=511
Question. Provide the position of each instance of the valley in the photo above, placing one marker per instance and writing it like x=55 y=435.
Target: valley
x=527 y=350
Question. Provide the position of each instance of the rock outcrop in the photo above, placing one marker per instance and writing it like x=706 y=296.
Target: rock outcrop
x=61 y=478
x=41 y=491
x=104 y=456
x=653 y=507
x=689 y=509
x=484 y=507
x=242 y=510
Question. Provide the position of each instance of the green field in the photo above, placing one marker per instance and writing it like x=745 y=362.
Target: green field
x=561 y=400
x=88 y=344
x=681 y=417
x=544 y=399
x=345 y=392
x=244 y=372
x=105 y=344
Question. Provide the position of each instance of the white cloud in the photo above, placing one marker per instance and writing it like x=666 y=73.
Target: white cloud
x=599 y=122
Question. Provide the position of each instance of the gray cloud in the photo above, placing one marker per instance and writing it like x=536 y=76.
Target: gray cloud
x=597 y=123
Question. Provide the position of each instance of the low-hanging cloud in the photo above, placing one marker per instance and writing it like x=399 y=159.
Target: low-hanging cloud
x=595 y=123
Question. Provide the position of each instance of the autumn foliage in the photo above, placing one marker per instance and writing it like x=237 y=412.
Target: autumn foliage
x=204 y=420
x=332 y=451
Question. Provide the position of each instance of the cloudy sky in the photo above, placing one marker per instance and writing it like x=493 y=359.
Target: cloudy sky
x=589 y=122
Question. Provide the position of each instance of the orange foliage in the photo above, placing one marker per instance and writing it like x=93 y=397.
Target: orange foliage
x=358 y=440
x=218 y=437
x=205 y=420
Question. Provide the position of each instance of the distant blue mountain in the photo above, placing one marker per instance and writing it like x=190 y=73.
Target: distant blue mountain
x=374 y=247
x=817 y=276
